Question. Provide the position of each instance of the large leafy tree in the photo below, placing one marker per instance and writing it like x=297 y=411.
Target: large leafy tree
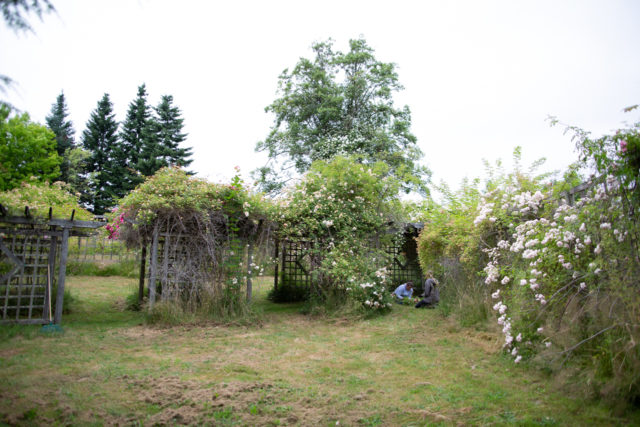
x=340 y=104
x=100 y=138
x=163 y=147
x=27 y=150
x=136 y=133
x=58 y=122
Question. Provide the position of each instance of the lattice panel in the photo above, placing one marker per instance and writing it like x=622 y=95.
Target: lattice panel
x=296 y=263
x=26 y=265
x=404 y=265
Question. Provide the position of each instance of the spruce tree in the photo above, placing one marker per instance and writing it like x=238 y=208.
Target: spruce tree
x=136 y=129
x=63 y=129
x=100 y=138
x=162 y=147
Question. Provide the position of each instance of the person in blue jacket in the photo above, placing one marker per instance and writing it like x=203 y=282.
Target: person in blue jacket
x=404 y=291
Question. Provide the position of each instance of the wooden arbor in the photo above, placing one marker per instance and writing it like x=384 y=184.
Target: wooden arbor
x=295 y=263
x=33 y=253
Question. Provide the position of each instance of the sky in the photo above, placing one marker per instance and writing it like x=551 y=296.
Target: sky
x=480 y=77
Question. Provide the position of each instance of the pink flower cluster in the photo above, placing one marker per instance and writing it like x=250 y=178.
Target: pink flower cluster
x=114 y=230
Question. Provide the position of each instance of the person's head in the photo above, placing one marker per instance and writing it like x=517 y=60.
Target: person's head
x=429 y=274
x=409 y=285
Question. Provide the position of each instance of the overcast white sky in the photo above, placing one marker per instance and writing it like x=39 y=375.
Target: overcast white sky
x=480 y=77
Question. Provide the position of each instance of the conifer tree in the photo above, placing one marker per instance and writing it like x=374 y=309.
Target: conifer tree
x=100 y=138
x=63 y=129
x=136 y=130
x=162 y=148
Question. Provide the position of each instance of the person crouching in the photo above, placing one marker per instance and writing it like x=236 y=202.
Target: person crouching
x=403 y=291
x=431 y=294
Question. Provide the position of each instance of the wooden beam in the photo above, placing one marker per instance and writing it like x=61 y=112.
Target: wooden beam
x=54 y=222
x=143 y=261
x=154 y=267
x=62 y=273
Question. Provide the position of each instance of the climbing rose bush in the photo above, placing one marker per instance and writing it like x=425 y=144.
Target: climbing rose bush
x=344 y=208
x=563 y=278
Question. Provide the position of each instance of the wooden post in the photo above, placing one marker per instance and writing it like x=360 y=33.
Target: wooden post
x=154 y=267
x=62 y=272
x=142 y=272
x=249 y=262
x=52 y=266
x=164 y=280
x=275 y=278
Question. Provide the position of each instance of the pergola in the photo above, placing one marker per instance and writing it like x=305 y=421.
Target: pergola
x=33 y=254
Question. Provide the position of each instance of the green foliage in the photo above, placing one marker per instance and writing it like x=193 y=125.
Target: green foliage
x=562 y=277
x=63 y=130
x=14 y=12
x=134 y=134
x=125 y=268
x=287 y=291
x=39 y=196
x=229 y=307
x=168 y=128
x=27 y=150
x=173 y=191
x=100 y=139
x=342 y=207
x=163 y=136
x=340 y=104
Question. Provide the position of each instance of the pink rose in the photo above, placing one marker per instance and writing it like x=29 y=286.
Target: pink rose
x=623 y=146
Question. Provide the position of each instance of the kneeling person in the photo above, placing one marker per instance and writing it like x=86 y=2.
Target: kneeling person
x=403 y=291
x=431 y=294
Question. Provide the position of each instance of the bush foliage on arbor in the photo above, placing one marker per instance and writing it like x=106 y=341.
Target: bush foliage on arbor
x=344 y=209
x=209 y=227
x=561 y=278
x=39 y=197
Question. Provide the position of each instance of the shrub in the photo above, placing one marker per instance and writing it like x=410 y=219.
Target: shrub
x=39 y=196
x=344 y=208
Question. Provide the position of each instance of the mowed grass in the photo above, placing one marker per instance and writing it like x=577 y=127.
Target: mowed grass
x=412 y=367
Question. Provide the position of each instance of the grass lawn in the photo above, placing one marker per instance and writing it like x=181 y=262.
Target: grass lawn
x=412 y=367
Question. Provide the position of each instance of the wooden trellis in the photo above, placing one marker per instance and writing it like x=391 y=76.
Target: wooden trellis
x=295 y=260
x=404 y=253
x=177 y=265
x=33 y=261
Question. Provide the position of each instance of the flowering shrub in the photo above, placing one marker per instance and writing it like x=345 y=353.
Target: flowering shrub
x=564 y=277
x=40 y=196
x=212 y=230
x=344 y=208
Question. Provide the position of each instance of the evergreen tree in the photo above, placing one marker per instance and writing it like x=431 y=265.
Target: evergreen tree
x=136 y=129
x=162 y=147
x=100 y=138
x=63 y=129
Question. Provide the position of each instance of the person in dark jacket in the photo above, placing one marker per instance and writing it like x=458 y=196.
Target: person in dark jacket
x=431 y=294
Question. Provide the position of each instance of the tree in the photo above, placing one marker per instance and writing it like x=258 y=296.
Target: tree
x=169 y=132
x=100 y=138
x=63 y=129
x=14 y=12
x=27 y=150
x=136 y=133
x=162 y=148
x=340 y=104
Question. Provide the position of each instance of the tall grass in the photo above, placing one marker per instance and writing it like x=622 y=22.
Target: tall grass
x=228 y=306
x=125 y=268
